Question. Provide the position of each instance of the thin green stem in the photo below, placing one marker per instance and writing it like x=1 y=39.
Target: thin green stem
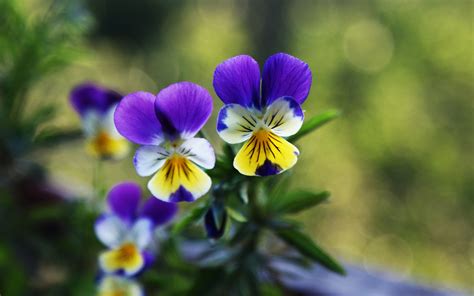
x=254 y=220
x=97 y=180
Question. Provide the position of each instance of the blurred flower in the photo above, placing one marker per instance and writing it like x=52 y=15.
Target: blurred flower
x=215 y=221
x=262 y=120
x=114 y=285
x=165 y=125
x=128 y=230
x=96 y=106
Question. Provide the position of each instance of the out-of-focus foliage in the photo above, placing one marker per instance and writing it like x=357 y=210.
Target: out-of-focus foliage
x=46 y=245
x=31 y=47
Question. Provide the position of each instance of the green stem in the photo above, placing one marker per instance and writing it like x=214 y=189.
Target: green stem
x=254 y=219
x=97 y=180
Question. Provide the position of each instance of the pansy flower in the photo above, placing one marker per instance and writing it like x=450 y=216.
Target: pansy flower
x=165 y=125
x=96 y=105
x=128 y=229
x=115 y=285
x=262 y=119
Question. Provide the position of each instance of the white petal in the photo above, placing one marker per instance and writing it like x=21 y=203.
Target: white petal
x=110 y=230
x=108 y=124
x=141 y=233
x=200 y=151
x=91 y=123
x=149 y=159
x=284 y=117
x=235 y=123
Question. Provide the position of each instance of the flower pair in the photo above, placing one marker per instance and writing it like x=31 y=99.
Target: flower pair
x=260 y=111
x=165 y=124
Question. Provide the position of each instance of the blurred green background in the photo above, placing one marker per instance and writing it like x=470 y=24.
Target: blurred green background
x=399 y=161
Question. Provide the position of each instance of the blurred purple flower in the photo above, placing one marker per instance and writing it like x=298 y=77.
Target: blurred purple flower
x=215 y=221
x=165 y=125
x=262 y=120
x=128 y=229
x=96 y=105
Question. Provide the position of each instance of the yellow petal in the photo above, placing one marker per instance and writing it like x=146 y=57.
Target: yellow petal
x=179 y=180
x=127 y=257
x=265 y=154
x=105 y=146
x=115 y=285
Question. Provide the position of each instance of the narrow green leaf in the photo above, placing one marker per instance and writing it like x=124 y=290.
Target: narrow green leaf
x=285 y=223
x=297 y=201
x=194 y=215
x=308 y=248
x=315 y=123
x=236 y=215
x=53 y=137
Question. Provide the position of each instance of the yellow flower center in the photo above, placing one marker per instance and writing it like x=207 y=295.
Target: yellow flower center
x=127 y=257
x=105 y=146
x=126 y=253
x=102 y=142
x=120 y=292
x=265 y=153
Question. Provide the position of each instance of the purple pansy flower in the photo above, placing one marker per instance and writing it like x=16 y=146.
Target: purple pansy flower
x=96 y=105
x=128 y=229
x=165 y=125
x=262 y=119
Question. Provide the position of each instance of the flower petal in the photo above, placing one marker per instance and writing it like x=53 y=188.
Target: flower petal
x=235 y=124
x=136 y=120
x=104 y=145
x=200 y=151
x=88 y=96
x=126 y=258
x=141 y=233
x=215 y=222
x=149 y=159
x=91 y=122
x=237 y=81
x=110 y=230
x=284 y=117
x=107 y=142
x=183 y=108
x=285 y=75
x=265 y=154
x=149 y=258
x=123 y=200
x=119 y=285
x=108 y=123
x=159 y=212
x=179 y=180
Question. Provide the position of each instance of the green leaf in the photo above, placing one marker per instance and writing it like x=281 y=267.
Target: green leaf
x=52 y=137
x=297 y=201
x=284 y=223
x=308 y=248
x=208 y=281
x=234 y=214
x=42 y=115
x=315 y=123
x=194 y=215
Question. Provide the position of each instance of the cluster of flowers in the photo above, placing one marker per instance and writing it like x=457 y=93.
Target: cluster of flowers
x=260 y=110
